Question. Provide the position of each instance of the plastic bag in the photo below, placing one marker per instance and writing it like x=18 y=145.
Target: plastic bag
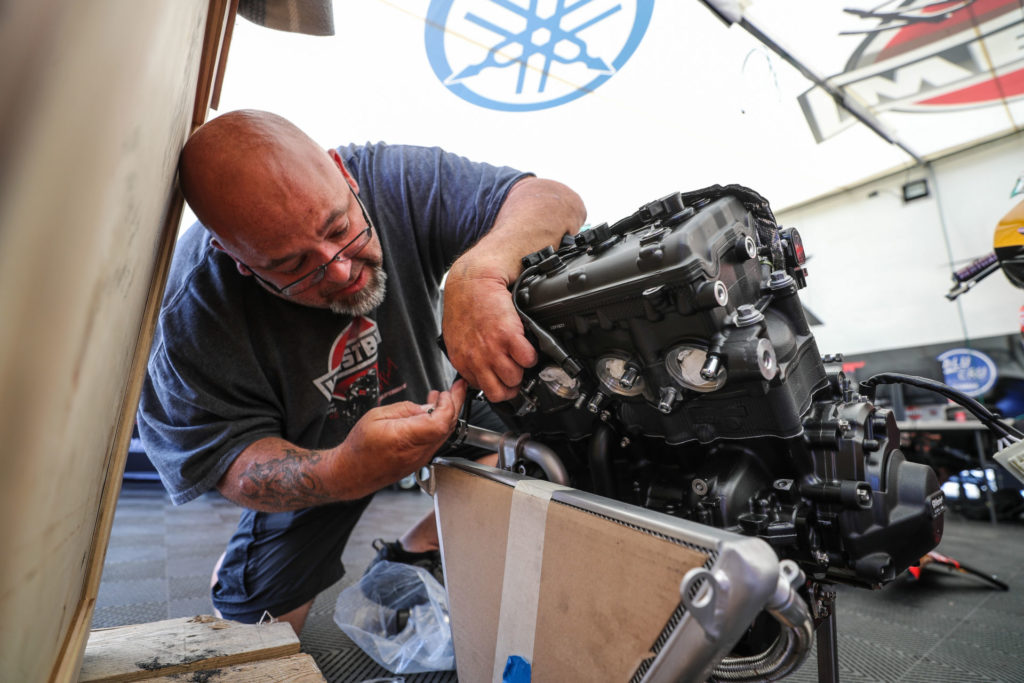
x=398 y=615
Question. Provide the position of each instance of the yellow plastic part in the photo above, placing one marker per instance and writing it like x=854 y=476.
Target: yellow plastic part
x=1009 y=229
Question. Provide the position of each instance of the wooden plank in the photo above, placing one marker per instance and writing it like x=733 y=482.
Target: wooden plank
x=175 y=646
x=218 y=25
x=222 y=63
x=295 y=669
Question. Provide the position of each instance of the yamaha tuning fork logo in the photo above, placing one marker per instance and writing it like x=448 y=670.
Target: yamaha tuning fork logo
x=524 y=55
x=926 y=56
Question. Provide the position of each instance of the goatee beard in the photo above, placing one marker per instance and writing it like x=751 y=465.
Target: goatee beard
x=365 y=300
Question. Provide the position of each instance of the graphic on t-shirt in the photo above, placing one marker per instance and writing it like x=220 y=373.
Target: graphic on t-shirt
x=351 y=379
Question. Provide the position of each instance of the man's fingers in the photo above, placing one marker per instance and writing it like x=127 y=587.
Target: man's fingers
x=458 y=393
x=497 y=367
x=449 y=403
x=432 y=397
x=444 y=406
x=496 y=390
x=522 y=351
x=508 y=372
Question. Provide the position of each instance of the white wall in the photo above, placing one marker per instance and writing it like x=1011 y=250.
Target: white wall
x=879 y=267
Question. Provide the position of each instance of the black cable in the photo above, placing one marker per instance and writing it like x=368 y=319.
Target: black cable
x=986 y=416
x=527 y=272
x=548 y=344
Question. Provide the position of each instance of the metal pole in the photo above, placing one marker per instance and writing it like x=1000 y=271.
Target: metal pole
x=989 y=499
x=828 y=644
x=731 y=11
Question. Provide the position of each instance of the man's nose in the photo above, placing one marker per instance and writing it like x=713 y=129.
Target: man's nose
x=338 y=270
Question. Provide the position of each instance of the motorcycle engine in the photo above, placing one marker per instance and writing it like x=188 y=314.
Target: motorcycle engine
x=677 y=372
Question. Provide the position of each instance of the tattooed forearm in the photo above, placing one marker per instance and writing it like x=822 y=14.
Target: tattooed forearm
x=285 y=483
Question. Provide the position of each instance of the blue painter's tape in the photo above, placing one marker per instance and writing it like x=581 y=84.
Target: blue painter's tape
x=517 y=670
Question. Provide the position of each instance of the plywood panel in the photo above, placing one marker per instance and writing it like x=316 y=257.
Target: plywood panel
x=87 y=213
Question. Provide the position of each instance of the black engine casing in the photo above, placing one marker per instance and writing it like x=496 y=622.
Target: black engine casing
x=677 y=371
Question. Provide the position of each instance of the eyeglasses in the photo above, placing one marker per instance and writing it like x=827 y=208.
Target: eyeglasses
x=313 y=277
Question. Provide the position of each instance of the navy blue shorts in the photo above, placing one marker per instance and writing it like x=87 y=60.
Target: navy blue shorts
x=278 y=561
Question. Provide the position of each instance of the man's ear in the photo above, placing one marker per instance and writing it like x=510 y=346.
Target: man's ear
x=344 y=171
x=215 y=243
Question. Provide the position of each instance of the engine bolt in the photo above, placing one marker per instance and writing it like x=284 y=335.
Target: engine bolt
x=864 y=497
x=843 y=426
x=700 y=487
x=624 y=443
x=779 y=279
x=667 y=398
x=747 y=315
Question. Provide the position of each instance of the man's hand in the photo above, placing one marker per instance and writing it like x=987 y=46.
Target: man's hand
x=387 y=443
x=484 y=335
x=482 y=331
x=393 y=441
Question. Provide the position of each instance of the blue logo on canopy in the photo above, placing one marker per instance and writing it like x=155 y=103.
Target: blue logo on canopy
x=503 y=55
x=969 y=371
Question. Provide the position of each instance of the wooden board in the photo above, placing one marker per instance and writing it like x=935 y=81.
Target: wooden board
x=175 y=646
x=104 y=98
x=294 y=669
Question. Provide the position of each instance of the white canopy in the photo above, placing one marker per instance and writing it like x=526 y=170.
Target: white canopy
x=627 y=100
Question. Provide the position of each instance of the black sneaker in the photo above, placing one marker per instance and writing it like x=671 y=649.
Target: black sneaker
x=394 y=552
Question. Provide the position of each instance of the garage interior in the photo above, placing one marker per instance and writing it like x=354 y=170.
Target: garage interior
x=91 y=550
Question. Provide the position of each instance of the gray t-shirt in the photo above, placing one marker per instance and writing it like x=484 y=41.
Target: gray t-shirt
x=232 y=363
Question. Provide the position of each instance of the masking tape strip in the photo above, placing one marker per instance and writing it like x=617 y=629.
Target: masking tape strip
x=524 y=555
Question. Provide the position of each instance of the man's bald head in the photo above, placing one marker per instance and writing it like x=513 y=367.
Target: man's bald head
x=248 y=171
x=280 y=206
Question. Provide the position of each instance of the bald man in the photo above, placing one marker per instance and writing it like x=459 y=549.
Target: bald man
x=295 y=367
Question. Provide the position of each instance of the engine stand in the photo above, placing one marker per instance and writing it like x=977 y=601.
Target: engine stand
x=824 y=605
